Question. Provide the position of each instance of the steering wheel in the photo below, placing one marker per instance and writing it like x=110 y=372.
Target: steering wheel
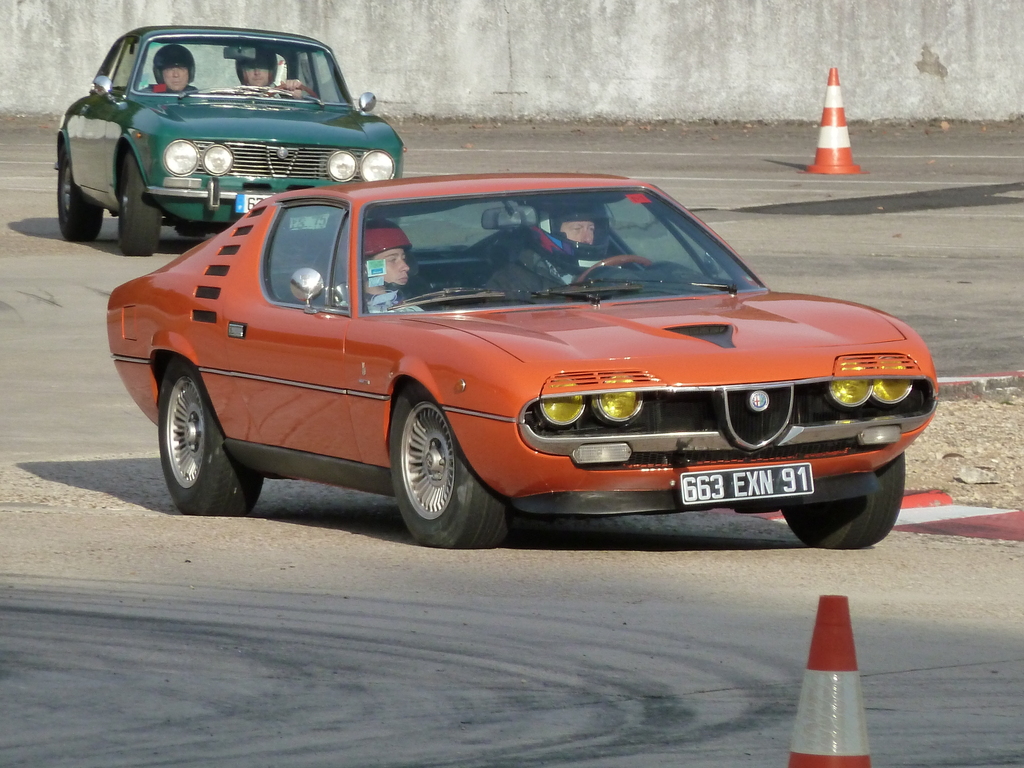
x=613 y=261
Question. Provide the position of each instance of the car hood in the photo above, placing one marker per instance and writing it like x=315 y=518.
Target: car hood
x=770 y=326
x=252 y=121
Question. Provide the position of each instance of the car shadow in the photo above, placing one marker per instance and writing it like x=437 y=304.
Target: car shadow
x=47 y=228
x=928 y=200
x=139 y=483
x=135 y=482
x=680 y=532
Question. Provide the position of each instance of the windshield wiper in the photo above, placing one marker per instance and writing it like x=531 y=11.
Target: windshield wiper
x=590 y=291
x=451 y=295
x=730 y=288
x=252 y=92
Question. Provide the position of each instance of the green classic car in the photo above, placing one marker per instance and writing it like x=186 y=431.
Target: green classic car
x=191 y=127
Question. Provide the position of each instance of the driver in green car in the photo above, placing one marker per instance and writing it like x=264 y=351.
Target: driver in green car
x=261 y=70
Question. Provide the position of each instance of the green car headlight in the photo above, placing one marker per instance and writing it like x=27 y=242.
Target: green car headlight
x=850 y=392
x=342 y=166
x=618 y=407
x=376 y=166
x=181 y=157
x=890 y=391
x=563 y=410
x=217 y=160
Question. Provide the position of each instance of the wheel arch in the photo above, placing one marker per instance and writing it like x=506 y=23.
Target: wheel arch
x=124 y=148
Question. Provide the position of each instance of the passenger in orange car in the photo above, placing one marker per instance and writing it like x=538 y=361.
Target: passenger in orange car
x=576 y=238
x=385 y=266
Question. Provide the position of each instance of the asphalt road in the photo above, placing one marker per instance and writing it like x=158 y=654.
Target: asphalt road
x=315 y=634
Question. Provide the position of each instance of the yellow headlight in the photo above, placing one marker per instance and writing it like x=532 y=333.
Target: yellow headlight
x=562 y=411
x=892 y=390
x=618 y=406
x=850 y=392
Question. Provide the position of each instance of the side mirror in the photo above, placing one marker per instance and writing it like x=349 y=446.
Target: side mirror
x=101 y=85
x=307 y=284
x=367 y=102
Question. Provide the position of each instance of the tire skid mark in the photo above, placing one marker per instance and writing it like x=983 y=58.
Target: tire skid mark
x=424 y=685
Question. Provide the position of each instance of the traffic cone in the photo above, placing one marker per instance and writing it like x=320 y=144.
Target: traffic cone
x=830 y=730
x=834 y=154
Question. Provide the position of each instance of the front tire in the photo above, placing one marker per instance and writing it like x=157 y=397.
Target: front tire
x=80 y=221
x=201 y=477
x=852 y=523
x=138 y=222
x=442 y=502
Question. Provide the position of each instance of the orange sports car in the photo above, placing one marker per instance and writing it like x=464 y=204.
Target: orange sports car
x=487 y=346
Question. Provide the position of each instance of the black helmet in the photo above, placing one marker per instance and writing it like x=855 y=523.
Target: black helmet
x=581 y=210
x=173 y=55
x=263 y=59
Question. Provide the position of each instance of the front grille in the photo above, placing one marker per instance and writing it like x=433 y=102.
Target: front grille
x=752 y=429
x=261 y=160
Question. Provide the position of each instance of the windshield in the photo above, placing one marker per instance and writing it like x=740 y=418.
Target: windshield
x=563 y=247
x=239 y=67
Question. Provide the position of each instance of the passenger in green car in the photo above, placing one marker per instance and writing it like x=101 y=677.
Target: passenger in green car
x=174 y=68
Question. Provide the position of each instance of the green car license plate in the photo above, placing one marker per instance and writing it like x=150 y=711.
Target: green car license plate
x=722 y=486
x=245 y=203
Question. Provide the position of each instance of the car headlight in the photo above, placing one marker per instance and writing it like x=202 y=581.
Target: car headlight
x=891 y=391
x=376 y=166
x=617 y=407
x=850 y=392
x=181 y=157
x=217 y=160
x=563 y=410
x=341 y=166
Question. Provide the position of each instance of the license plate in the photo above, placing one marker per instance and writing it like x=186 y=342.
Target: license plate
x=245 y=203
x=720 y=486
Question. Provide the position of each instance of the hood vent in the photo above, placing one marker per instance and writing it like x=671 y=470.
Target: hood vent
x=716 y=333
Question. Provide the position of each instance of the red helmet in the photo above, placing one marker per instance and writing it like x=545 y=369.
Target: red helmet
x=383 y=238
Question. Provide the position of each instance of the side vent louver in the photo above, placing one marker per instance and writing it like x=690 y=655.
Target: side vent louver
x=203 y=316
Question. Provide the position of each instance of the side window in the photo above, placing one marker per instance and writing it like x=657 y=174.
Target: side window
x=304 y=236
x=107 y=67
x=123 y=72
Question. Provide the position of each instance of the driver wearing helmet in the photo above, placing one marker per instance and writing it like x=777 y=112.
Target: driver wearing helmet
x=575 y=237
x=261 y=71
x=174 y=69
x=385 y=266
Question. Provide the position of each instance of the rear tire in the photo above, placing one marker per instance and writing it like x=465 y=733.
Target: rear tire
x=138 y=222
x=201 y=477
x=852 y=523
x=80 y=221
x=442 y=502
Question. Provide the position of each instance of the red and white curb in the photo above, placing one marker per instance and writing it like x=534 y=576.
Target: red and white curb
x=934 y=512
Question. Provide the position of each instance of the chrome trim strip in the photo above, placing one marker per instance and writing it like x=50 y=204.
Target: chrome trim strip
x=368 y=395
x=194 y=194
x=296 y=384
x=271 y=380
x=479 y=414
x=127 y=359
x=682 y=442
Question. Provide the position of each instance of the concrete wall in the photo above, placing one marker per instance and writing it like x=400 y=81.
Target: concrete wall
x=579 y=59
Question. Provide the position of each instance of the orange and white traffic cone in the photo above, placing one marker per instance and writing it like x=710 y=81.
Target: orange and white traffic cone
x=830 y=730
x=834 y=154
